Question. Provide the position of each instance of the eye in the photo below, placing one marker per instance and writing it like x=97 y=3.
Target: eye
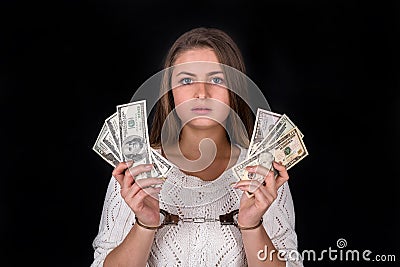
x=217 y=80
x=186 y=81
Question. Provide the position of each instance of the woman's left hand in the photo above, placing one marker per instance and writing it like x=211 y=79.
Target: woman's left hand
x=264 y=193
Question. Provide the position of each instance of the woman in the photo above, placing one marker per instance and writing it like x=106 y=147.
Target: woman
x=201 y=191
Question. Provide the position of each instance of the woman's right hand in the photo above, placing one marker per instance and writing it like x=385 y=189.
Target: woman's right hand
x=140 y=195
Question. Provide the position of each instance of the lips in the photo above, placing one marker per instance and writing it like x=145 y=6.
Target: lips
x=201 y=110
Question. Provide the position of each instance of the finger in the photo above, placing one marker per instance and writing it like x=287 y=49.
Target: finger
x=118 y=172
x=149 y=182
x=262 y=197
x=268 y=195
x=267 y=190
x=143 y=194
x=267 y=183
x=135 y=192
x=138 y=169
x=142 y=184
x=261 y=172
x=257 y=172
x=270 y=188
x=248 y=185
x=131 y=173
x=281 y=169
x=283 y=175
x=269 y=179
x=258 y=169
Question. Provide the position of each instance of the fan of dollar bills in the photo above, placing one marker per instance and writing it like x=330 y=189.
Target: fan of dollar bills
x=275 y=137
x=124 y=137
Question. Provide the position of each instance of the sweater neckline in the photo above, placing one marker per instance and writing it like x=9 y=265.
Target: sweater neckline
x=201 y=182
x=239 y=159
x=183 y=190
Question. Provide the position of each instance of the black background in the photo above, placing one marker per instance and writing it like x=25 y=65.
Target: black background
x=331 y=66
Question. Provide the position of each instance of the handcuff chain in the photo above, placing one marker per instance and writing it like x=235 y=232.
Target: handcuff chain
x=224 y=219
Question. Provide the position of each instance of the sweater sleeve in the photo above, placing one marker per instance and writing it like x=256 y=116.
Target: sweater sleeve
x=279 y=222
x=115 y=223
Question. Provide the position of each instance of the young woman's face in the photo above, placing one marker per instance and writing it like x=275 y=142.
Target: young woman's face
x=199 y=88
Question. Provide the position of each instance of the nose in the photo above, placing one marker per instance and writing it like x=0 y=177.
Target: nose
x=201 y=90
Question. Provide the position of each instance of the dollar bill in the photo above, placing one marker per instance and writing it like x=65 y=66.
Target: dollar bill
x=113 y=125
x=282 y=127
x=101 y=149
x=161 y=163
x=264 y=158
x=265 y=122
x=288 y=150
x=108 y=141
x=133 y=139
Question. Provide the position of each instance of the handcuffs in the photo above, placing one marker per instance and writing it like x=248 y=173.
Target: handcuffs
x=173 y=219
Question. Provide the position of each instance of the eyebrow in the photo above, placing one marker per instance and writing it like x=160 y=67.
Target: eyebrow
x=186 y=73
x=214 y=72
x=194 y=75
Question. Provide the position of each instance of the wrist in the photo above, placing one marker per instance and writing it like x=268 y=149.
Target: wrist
x=165 y=218
x=145 y=226
x=249 y=226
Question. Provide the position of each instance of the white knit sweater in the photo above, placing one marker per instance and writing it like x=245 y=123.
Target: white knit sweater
x=190 y=243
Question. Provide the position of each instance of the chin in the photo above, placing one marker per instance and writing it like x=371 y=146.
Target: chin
x=203 y=124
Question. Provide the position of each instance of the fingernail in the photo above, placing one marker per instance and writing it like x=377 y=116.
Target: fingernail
x=129 y=163
x=233 y=184
x=162 y=178
x=251 y=168
x=148 y=167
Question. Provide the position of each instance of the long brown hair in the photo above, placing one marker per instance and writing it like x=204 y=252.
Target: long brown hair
x=228 y=54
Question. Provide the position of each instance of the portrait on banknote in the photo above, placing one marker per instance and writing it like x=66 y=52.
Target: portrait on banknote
x=133 y=148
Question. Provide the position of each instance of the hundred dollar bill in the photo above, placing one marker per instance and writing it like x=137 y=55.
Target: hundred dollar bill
x=101 y=149
x=282 y=127
x=133 y=139
x=265 y=121
x=108 y=140
x=161 y=163
x=113 y=125
x=161 y=166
